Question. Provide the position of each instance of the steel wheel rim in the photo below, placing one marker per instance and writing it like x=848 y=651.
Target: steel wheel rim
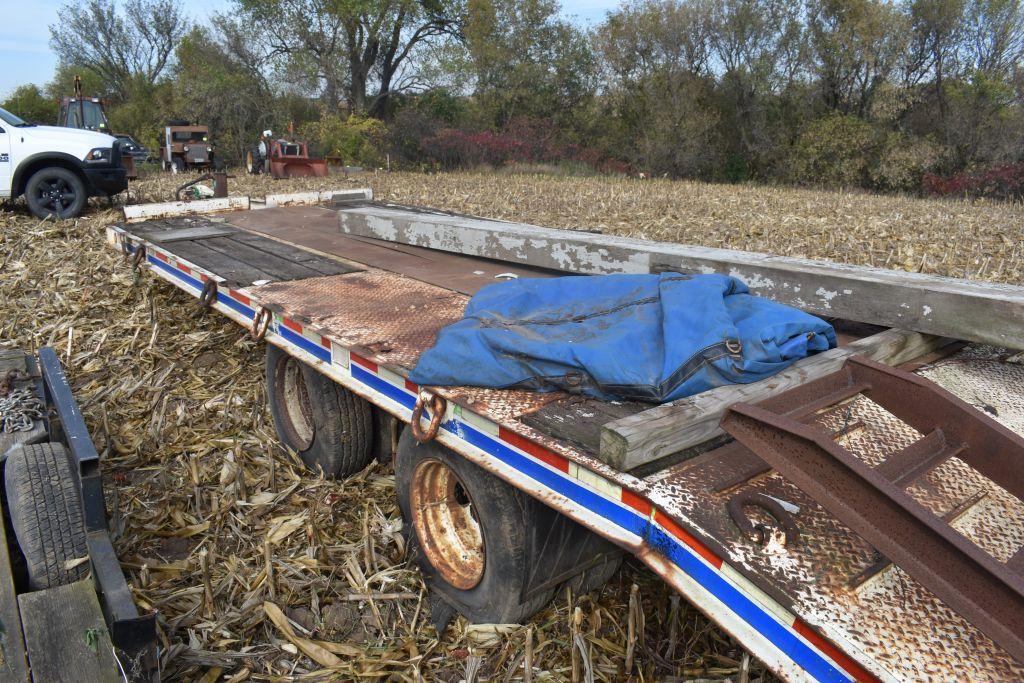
x=292 y=397
x=446 y=524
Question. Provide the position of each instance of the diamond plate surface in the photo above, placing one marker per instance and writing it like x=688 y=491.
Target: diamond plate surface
x=891 y=617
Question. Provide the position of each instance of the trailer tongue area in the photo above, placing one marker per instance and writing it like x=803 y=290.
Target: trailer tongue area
x=790 y=574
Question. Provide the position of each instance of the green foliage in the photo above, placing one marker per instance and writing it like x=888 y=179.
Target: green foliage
x=28 y=102
x=837 y=151
x=357 y=140
x=903 y=162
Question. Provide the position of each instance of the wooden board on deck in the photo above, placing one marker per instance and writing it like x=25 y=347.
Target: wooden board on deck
x=662 y=431
x=990 y=313
x=66 y=636
x=578 y=419
x=239 y=257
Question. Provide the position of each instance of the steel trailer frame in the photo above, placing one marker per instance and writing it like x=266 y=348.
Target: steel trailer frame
x=613 y=504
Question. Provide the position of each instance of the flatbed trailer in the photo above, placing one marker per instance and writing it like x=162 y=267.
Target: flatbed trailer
x=829 y=607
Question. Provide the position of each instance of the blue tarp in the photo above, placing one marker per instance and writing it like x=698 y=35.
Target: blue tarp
x=652 y=338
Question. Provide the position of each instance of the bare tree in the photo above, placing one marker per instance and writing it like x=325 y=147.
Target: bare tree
x=119 y=45
x=351 y=49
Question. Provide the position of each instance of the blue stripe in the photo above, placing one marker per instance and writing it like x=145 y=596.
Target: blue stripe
x=195 y=283
x=628 y=520
x=305 y=344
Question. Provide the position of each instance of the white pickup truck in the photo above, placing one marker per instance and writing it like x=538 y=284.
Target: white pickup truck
x=57 y=169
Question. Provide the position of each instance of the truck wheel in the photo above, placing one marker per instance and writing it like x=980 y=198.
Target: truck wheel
x=466 y=531
x=325 y=423
x=177 y=165
x=46 y=514
x=55 y=191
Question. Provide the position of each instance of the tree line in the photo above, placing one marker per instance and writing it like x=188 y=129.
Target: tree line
x=892 y=95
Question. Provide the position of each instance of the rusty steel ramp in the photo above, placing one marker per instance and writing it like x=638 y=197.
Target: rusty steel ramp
x=826 y=607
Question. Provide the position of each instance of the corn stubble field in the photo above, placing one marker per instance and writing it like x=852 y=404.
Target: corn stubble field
x=263 y=572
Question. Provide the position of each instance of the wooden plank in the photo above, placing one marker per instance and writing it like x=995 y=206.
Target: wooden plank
x=320 y=264
x=579 y=420
x=141 y=212
x=278 y=267
x=657 y=433
x=66 y=636
x=192 y=233
x=227 y=267
x=976 y=311
x=13 y=663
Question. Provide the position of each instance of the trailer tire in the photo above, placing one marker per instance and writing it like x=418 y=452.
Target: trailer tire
x=323 y=422
x=487 y=589
x=46 y=514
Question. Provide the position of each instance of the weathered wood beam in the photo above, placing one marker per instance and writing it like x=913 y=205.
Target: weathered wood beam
x=636 y=440
x=974 y=311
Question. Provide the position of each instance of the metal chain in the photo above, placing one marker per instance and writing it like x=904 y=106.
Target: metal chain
x=19 y=409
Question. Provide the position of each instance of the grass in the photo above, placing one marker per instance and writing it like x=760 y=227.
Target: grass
x=197 y=483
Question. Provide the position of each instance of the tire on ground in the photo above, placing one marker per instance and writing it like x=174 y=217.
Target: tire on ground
x=47 y=184
x=178 y=165
x=324 y=423
x=500 y=513
x=46 y=514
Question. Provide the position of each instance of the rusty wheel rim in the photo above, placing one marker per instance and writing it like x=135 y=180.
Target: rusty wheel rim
x=292 y=396
x=446 y=524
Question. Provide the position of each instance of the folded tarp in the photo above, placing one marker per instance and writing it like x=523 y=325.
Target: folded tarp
x=653 y=338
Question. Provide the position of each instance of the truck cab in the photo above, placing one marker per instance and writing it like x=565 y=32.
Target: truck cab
x=57 y=169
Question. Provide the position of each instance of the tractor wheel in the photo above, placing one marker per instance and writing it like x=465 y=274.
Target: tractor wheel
x=253 y=162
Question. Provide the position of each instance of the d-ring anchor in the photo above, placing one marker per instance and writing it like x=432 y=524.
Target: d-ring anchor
x=138 y=257
x=209 y=294
x=438 y=407
x=761 y=533
x=261 y=323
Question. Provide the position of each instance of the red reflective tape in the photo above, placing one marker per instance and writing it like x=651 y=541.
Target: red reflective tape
x=292 y=325
x=851 y=667
x=203 y=278
x=160 y=256
x=368 y=364
x=185 y=269
x=537 y=451
x=687 y=538
x=410 y=386
x=241 y=298
x=325 y=342
x=636 y=502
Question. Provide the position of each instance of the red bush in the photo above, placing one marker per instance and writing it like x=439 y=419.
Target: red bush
x=522 y=141
x=999 y=182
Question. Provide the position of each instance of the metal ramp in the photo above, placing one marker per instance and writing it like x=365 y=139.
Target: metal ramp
x=873 y=501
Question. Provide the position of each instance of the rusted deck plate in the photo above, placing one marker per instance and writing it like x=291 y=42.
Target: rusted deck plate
x=891 y=617
x=317 y=228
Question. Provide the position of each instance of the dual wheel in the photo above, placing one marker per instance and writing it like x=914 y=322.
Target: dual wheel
x=487 y=550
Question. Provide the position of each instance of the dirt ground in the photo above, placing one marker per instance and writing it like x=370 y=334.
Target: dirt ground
x=260 y=571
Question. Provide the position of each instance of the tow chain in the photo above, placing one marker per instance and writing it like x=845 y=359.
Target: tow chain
x=19 y=409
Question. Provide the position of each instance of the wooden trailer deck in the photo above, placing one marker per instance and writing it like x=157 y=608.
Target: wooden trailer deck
x=828 y=608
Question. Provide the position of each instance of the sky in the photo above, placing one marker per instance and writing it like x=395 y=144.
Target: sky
x=25 y=55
